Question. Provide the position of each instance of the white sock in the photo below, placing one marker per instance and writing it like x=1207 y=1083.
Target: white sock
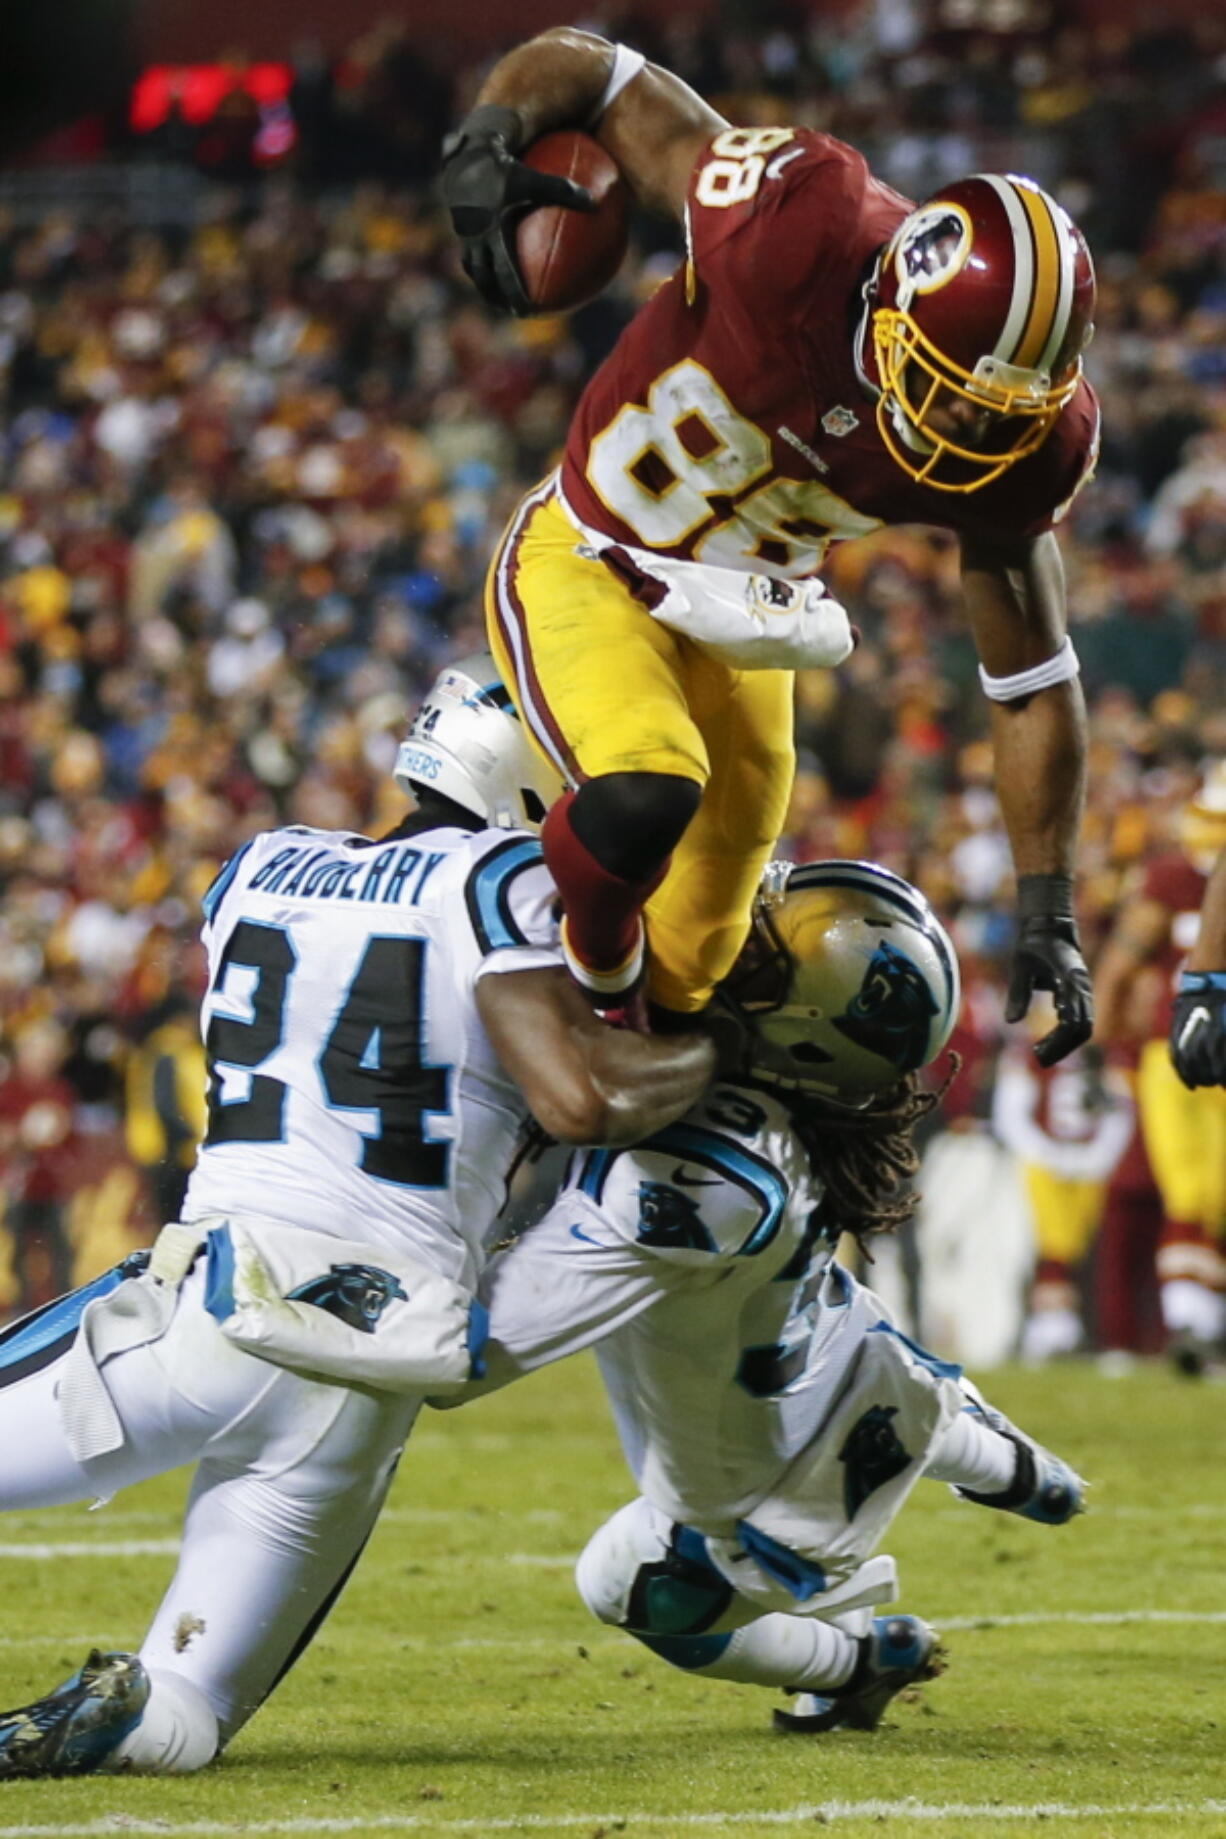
x=783 y=1650
x=177 y=1734
x=970 y=1454
x=1194 y=1307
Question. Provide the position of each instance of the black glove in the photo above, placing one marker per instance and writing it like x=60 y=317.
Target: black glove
x=1198 y=1029
x=487 y=190
x=1047 y=956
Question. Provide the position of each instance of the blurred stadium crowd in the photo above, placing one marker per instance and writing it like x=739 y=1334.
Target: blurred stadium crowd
x=255 y=460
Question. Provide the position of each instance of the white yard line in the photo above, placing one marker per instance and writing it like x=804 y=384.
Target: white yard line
x=1085 y=1617
x=93 y=1548
x=828 y=1811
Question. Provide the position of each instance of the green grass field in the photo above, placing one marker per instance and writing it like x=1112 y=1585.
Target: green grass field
x=460 y=1686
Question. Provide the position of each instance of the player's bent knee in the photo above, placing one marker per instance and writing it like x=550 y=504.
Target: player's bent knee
x=642 y=1573
x=178 y=1732
x=632 y=821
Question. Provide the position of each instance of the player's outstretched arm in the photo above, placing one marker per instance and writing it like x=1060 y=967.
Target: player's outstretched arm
x=1198 y=1028
x=652 y=124
x=1015 y=598
x=584 y=1081
x=654 y=128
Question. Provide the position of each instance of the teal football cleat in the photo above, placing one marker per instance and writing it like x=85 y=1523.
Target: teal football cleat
x=899 y=1651
x=78 y=1726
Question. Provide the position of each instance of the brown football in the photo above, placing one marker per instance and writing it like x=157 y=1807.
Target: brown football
x=567 y=257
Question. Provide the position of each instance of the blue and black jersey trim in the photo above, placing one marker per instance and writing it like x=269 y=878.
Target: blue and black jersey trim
x=487 y=892
x=944 y=1369
x=801 y=1577
x=37 y=1339
x=689 y=1143
x=222 y=881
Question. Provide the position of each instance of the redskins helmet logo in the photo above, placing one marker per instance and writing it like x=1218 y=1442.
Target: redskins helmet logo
x=933 y=248
x=891 y=1013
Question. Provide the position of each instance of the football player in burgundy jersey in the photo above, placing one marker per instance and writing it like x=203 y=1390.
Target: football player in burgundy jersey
x=828 y=359
x=1157 y=935
x=1198 y=1021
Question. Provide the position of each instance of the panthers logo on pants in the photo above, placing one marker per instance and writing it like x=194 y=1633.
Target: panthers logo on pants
x=872 y=1455
x=356 y=1293
x=892 y=1010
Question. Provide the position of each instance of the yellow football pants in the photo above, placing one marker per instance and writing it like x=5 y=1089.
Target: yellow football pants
x=1185 y=1137
x=603 y=689
x=1066 y=1212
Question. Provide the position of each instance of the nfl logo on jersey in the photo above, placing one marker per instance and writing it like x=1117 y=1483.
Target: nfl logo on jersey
x=840 y=420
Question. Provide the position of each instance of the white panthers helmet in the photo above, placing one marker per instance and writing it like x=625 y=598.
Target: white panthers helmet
x=467 y=743
x=848 y=977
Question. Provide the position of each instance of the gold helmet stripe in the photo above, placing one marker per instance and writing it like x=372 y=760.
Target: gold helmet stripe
x=1044 y=255
x=1041 y=325
x=1023 y=268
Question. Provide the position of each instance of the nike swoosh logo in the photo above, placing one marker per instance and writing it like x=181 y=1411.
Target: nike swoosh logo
x=781 y=160
x=680 y=1179
x=1193 y=1022
x=577 y=1232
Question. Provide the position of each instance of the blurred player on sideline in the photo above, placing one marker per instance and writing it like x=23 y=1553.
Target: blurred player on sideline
x=360 y=1133
x=1198 y=1018
x=1069 y=1127
x=773 y=1416
x=1185 y=1130
x=827 y=359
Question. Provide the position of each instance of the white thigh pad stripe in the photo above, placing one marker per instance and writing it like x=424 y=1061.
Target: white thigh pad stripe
x=513 y=631
x=1023 y=270
x=1064 y=296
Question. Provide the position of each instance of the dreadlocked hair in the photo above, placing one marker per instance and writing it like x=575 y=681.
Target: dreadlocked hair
x=867 y=1160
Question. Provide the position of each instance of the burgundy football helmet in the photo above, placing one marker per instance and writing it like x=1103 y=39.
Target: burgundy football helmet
x=985 y=293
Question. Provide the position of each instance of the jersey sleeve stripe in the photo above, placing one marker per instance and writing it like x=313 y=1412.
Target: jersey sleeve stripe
x=221 y=883
x=487 y=893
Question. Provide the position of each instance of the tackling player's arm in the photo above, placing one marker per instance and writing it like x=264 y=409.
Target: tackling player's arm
x=1198 y=1027
x=1140 y=932
x=584 y=1081
x=654 y=128
x=1209 y=951
x=1015 y=599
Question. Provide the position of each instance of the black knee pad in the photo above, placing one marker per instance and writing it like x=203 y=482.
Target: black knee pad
x=682 y=1594
x=631 y=822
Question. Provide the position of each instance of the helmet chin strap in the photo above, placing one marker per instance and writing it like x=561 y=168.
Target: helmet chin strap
x=906 y=430
x=910 y=436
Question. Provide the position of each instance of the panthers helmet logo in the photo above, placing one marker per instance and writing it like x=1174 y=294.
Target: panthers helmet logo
x=356 y=1293
x=872 y=1455
x=669 y=1218
x=891 y=1013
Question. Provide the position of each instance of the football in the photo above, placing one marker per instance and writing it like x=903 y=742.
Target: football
x=567 y=257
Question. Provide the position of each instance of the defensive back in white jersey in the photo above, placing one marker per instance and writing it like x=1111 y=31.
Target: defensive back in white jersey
x=351 y=1086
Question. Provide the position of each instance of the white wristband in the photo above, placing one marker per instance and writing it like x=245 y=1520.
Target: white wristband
x=626 y=66
x=1062 y=665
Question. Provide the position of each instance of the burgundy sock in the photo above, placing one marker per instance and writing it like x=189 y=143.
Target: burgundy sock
x=602 y=910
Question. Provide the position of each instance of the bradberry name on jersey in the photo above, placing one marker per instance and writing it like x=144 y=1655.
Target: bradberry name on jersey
x=395 y=876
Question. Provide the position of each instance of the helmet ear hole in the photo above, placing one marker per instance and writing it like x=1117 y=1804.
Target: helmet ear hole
x=810 y=1054
x=535 y=806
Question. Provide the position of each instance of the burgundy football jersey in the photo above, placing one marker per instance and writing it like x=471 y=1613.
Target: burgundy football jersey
x=732 y=423
x=1179 y=886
